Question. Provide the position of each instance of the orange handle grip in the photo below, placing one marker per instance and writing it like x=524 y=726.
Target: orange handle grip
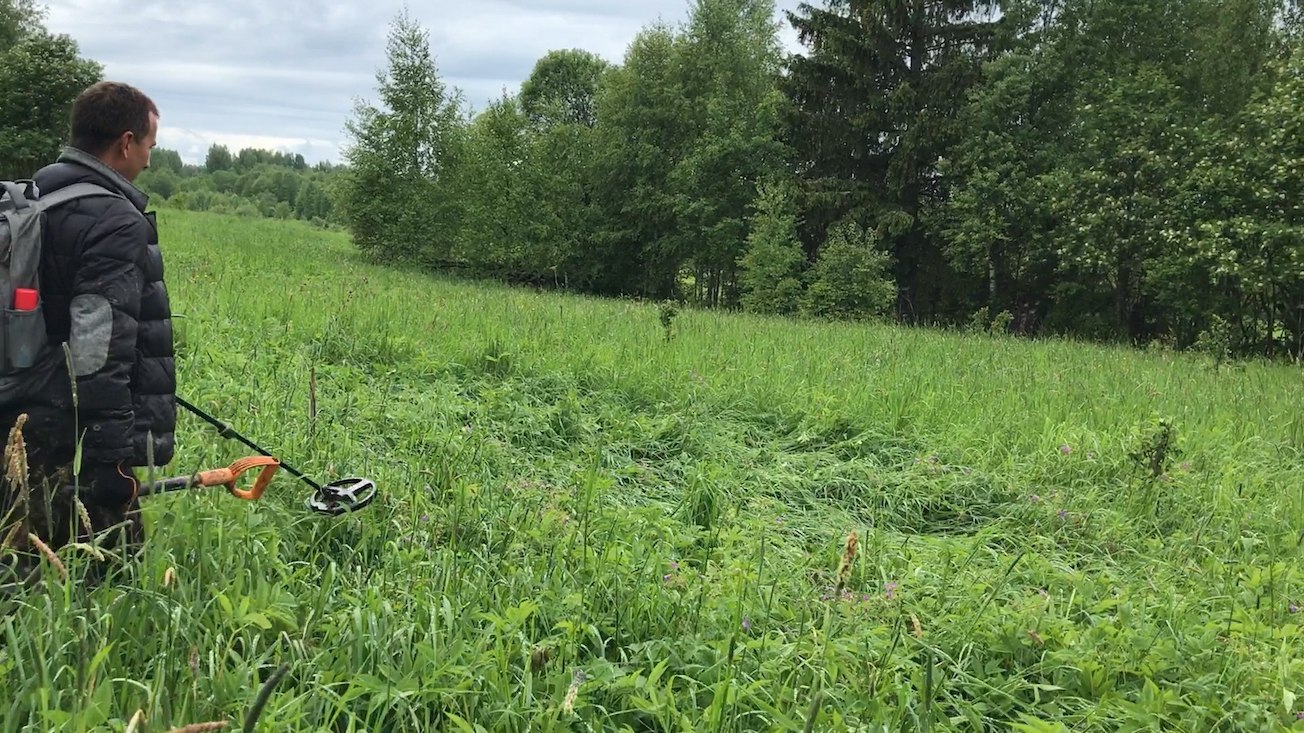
x=227 y=476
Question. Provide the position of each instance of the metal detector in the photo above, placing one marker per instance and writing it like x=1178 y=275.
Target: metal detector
x=337 y=497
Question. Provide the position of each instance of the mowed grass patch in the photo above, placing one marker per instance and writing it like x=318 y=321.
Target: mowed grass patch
x=586 y=525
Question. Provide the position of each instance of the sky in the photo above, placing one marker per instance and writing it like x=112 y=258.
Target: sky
x=284 y=74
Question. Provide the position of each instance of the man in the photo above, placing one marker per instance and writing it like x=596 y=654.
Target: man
x=103 y=295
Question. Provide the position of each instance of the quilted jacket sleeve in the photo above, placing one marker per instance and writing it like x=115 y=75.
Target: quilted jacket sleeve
x=104 y=311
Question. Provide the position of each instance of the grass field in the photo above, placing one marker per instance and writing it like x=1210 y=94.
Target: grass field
x=586 y=526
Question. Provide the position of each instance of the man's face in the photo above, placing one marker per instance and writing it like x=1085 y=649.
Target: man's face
x=135 y=151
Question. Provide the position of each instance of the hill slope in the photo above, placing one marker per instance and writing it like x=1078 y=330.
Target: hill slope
x=584 y=525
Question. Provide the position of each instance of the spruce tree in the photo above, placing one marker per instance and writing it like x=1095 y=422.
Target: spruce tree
x=873 y=108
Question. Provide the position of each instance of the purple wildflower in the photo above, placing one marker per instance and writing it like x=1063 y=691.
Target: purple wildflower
x=1293 y=608
x=665 y=578
x=747 y=624
x=425 y=517
x=890 y=588
x=1063 y=514
x=1035 y=499
x=1066 y=449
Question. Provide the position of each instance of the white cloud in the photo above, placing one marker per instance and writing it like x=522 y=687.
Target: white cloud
x=285 y=73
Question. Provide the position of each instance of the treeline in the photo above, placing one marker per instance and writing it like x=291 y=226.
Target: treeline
x=1111 y=169
x=1119 y=170
x=252 y=182
x=42 y=75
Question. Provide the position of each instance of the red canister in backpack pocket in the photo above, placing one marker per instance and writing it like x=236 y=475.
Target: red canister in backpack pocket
x=25 y=299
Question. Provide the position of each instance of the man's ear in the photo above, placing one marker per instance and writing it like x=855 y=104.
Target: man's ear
x=123 y=146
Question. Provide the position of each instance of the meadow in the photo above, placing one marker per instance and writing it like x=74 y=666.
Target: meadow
x=590 y=520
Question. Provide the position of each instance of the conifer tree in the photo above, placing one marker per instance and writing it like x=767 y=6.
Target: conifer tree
x=874 y=105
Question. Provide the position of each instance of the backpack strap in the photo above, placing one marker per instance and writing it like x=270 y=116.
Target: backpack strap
x=75 y=191
x=16 y=194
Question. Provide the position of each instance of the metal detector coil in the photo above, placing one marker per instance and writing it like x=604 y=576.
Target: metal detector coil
x=342 y=495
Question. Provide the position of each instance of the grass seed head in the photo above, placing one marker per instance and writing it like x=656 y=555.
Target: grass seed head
x=569 y=704
x=16 y=473
x=539 y=659
x=84 y=516
x=202 y=727
x=91 y=550
x=848 y=559
x=49 y=554
x=17 y=481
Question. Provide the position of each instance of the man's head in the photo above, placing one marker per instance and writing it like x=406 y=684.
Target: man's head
x=116 y=123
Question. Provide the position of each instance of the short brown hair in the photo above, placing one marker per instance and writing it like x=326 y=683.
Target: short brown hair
x=104 y=111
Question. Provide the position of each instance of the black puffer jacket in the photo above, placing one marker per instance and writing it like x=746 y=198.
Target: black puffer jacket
x=103 y=293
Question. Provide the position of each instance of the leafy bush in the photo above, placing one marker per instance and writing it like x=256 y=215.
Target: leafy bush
x=851 y=277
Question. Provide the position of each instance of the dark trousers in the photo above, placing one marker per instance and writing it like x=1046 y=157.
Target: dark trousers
x=47 y=506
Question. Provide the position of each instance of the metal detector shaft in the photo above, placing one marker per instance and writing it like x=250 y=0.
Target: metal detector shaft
x=226 y=477
x=163 y=486
x=228 y=432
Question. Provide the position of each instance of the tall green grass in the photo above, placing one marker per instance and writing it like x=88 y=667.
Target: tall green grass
x=585 y=525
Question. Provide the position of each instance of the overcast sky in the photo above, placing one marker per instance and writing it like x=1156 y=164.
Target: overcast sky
x=283 y=74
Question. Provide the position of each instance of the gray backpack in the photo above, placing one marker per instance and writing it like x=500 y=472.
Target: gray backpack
x=22 y=226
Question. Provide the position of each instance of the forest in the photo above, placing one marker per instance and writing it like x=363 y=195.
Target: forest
x=250 y=182
x=1120 y=171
